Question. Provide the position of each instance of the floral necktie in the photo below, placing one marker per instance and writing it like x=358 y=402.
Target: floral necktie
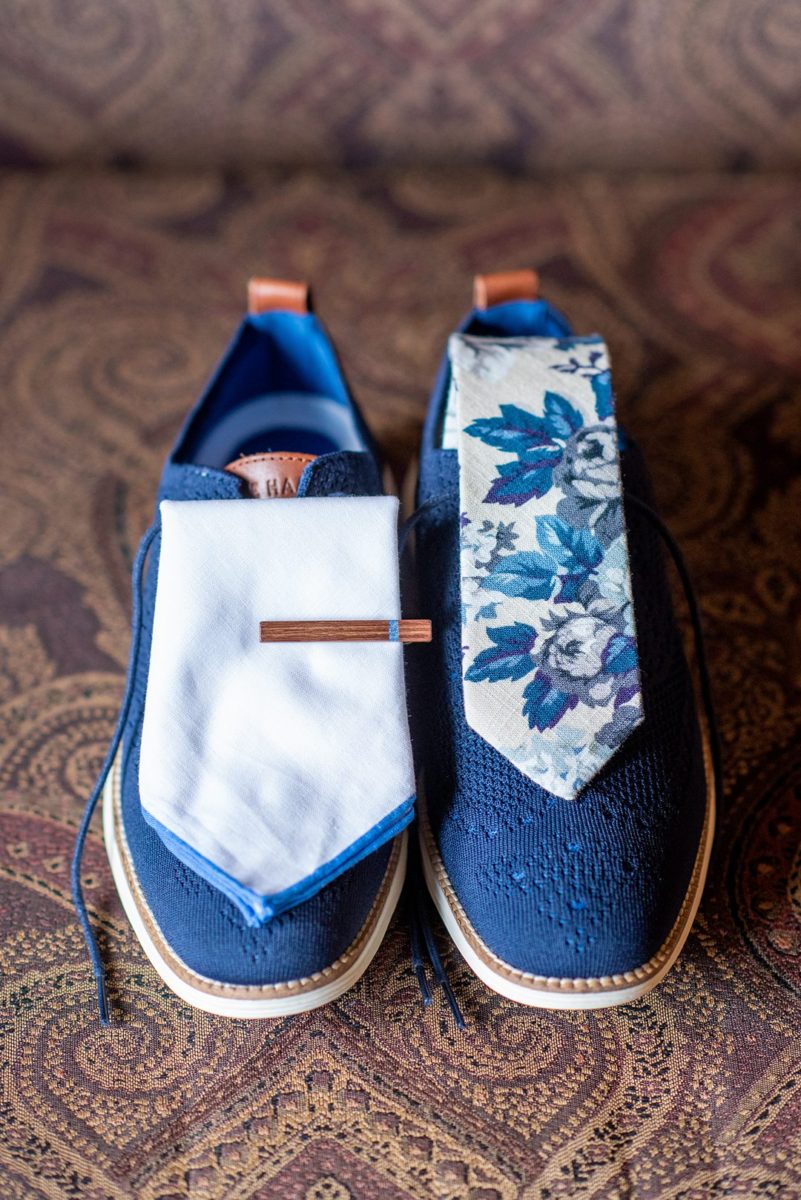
x=550 y=667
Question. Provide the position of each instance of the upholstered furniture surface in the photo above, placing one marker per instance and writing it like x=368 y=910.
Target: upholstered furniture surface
x=543 y=85
x=644 y=156
x=118 y=292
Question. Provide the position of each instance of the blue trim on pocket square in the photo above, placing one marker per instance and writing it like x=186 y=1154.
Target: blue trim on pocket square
x=258 y=910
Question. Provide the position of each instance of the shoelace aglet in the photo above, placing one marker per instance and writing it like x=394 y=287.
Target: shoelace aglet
x=417 y=957
x=425 y=990
x=444 y=982
x=453 y=1003
x=102 y=1000
x=441 y=975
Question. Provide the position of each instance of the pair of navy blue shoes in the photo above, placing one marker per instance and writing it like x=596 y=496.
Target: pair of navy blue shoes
x=555 y=902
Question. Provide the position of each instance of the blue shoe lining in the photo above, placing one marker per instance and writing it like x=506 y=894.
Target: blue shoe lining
x=295 y=421
x=307 y=407
x=517 y=318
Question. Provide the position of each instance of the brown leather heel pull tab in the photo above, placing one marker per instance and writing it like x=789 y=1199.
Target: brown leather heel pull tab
x=503 y=286
x=273 y=476
x=271 y=295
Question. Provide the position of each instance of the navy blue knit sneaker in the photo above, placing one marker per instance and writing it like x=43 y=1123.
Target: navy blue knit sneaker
x=567 y=802
x=256 y=792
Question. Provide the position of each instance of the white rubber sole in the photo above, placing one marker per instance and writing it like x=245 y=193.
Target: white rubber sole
x=253 y=1002
x=539 y=991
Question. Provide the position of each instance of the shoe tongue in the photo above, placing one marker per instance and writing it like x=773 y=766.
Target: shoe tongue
x=273 y=476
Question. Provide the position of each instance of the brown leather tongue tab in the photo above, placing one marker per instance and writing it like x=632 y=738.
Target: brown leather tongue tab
x=273 y=476
x=503 y=286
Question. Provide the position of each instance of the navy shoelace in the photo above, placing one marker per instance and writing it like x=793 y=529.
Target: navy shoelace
x=423 y=941
x=78 y=898
x=421 y=934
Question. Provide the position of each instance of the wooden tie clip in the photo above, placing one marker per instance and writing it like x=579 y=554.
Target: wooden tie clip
x=345 y=631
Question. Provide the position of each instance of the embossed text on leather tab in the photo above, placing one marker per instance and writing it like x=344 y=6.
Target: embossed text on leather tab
x=271 y=476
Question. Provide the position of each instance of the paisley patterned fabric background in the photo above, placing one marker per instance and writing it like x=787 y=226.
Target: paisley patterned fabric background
x=117 y=294
x=535 y=84
x=118 y=290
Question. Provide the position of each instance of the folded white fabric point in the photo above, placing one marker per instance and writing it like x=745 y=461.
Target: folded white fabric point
x=271 y=768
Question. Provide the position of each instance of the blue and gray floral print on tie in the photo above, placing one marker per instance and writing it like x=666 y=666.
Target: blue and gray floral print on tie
x=550 y=667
